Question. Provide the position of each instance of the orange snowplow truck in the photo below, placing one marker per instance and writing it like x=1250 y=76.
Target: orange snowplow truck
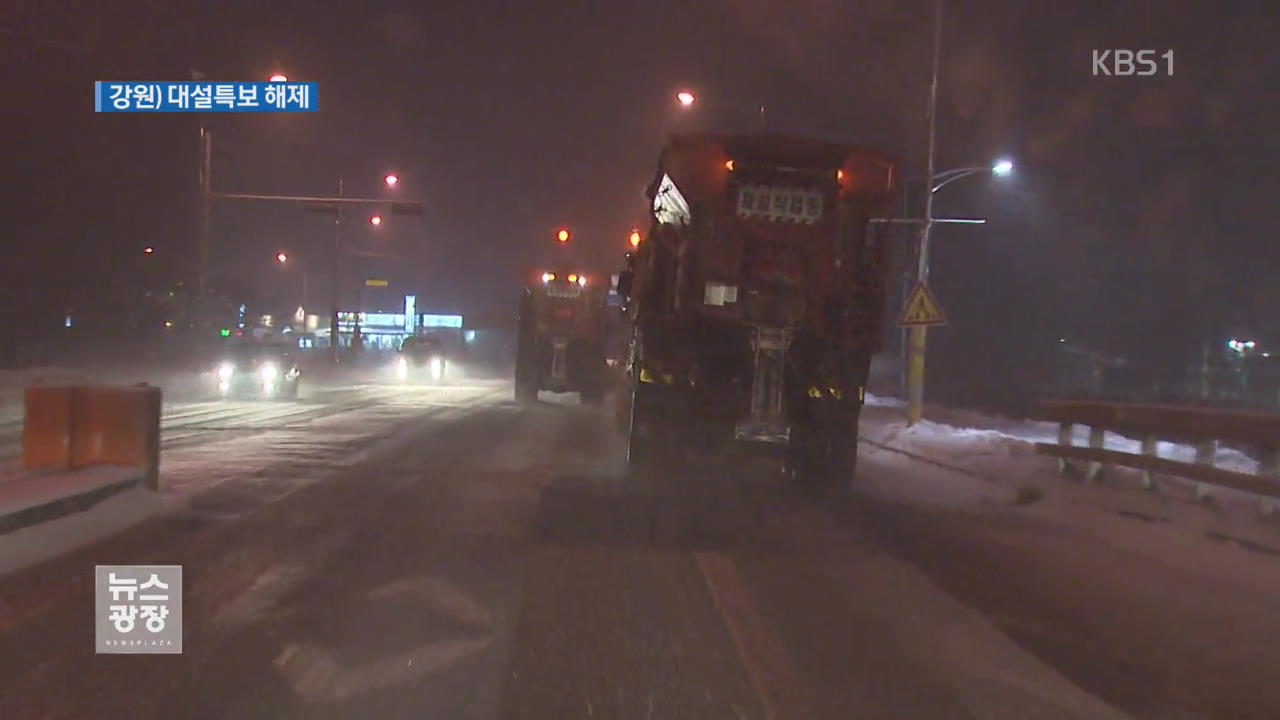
x=561 y=338
x=757 y=299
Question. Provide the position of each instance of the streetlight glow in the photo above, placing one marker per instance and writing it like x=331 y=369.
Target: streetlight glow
x=391 y=180
x=278 y=77
x=563 y=236
x=376 y=220
x=281 y=257
x=1003 y=168
x=635 y=238
x=686 y=98
x=148 y=250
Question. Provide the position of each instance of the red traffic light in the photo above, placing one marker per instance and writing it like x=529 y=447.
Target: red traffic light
x=562 y=236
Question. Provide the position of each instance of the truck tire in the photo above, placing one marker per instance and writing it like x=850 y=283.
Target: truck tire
x=526 y=390
x=823 y=455
x=642 y=430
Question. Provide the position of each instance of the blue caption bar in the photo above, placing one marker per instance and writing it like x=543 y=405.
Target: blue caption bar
x=206 y=97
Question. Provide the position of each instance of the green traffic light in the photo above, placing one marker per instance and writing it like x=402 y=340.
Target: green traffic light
x=225 y=332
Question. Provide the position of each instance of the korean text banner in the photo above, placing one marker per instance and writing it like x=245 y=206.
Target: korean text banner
x=206 y=97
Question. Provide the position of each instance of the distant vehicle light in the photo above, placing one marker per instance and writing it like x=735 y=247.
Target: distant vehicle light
x=728 y=165
x=573 y=278
x=376 y=220
x=226 y=370
x=402 y=368
x=582 y=281
x=548 y=277
x=148 y=250
x=269 y=371
x=686 y=98
x=839 y=174
x=282 y=257
x=635 y=238
x=391 y=180
x=436 y=368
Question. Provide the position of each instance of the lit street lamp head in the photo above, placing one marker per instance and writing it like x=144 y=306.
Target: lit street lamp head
x=563 y=236
x=278 y=77
x=376 y=220
x=148 y=250
x=281 y=257
x=1003 y=168
x=391 y=180
x=686 y=98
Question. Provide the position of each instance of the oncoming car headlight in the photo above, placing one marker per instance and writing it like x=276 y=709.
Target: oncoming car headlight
x=437 y=368
x=402 y=368
x=225 y=371
x=269 y=371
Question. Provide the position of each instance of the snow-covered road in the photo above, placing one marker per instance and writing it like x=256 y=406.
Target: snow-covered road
x=447 y=552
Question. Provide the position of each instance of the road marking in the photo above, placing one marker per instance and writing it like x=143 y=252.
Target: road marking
x=316 y=677
x=762 y=655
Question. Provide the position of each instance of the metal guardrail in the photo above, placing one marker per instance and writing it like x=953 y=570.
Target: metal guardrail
x=1203 y=428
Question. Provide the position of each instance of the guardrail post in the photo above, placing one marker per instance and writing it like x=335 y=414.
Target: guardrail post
x=1150 y=448
x=1269 y=467
x=1097 y=441
x=1205 y=453
x=1066 y=438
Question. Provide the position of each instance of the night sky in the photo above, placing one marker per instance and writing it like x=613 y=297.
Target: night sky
x=1140 y=218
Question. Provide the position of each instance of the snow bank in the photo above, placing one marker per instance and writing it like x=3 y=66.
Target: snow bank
x=965 y=460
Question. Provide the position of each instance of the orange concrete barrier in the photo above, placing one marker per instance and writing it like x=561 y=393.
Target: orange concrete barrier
x=46 y=428
x=84 y=426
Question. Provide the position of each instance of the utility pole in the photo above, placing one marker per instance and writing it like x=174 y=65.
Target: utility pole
x=334 y=294
x=916 y=343
x=202 y=239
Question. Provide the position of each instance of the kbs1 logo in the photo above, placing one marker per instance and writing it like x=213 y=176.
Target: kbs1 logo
x=1125 y=63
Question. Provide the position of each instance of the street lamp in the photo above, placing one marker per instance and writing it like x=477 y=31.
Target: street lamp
x=281 y=257
x=1003 y=168
x=278 y=77
x=635 y=238
x=391 y=180
x=148 y=250
x=686 y=99
x=376 y=220
x=562 y=236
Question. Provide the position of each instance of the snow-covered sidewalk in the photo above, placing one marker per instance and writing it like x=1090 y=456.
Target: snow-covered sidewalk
x=959 y=459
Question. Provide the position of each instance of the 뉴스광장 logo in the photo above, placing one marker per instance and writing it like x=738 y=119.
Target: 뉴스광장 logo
x=138 y=609
x=205 y=97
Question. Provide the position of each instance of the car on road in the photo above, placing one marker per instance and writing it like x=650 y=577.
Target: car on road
x=267 y=371
x=421 y=358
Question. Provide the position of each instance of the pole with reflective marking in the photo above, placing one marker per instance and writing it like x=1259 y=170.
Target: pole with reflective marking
x=916 y=345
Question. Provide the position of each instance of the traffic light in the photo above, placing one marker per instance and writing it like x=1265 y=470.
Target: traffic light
x=562 y=236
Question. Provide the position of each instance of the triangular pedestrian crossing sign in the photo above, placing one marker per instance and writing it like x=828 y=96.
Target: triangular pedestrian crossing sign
x=922 y=309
